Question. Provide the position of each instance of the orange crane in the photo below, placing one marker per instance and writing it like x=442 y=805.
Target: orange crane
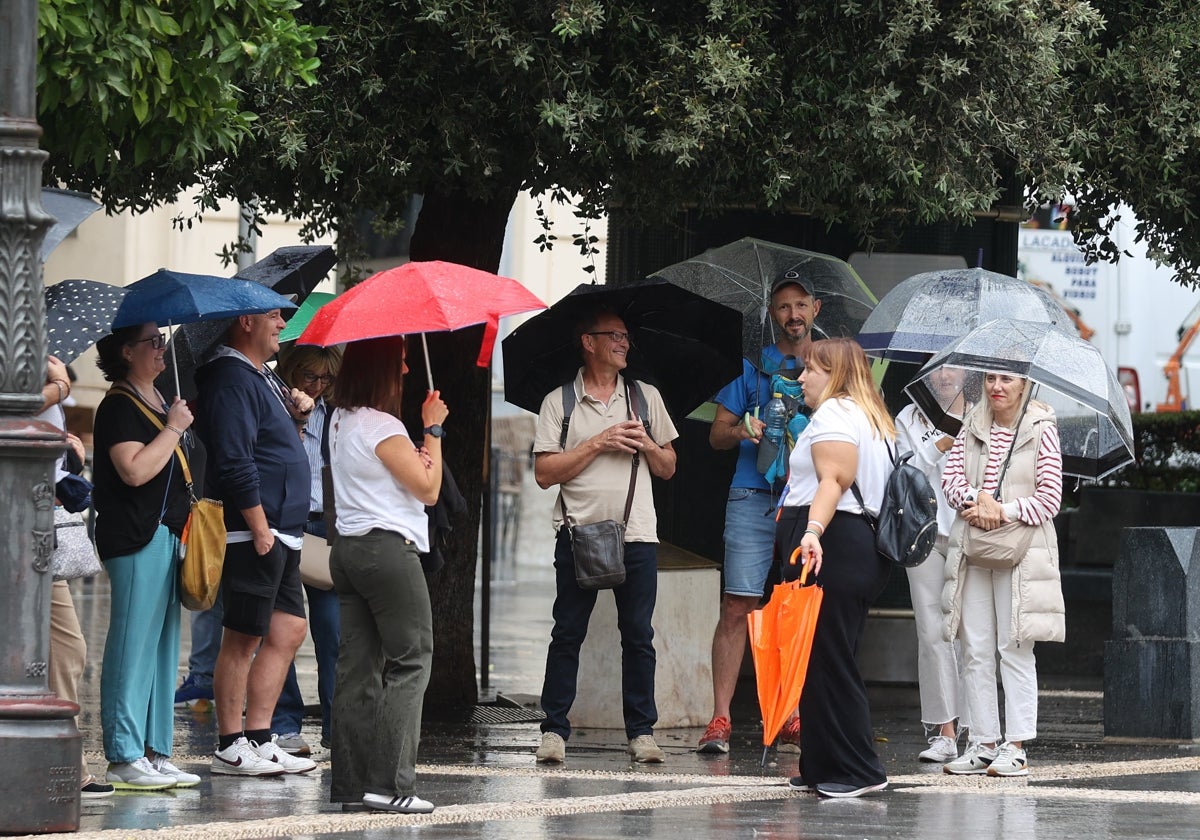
x=1171 y=370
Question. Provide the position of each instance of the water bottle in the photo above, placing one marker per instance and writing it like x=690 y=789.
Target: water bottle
x=775 y=416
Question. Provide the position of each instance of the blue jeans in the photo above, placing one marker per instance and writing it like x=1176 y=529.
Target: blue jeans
x=323 y=618
x=635 y=600
x=749 y=541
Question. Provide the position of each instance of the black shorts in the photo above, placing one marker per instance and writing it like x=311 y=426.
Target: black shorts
x=255 y=586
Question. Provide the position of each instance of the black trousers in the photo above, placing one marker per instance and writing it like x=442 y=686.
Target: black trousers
x=836 y=739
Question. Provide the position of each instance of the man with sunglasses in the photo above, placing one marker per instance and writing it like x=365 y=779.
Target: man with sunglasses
x=257 y=466
x=600 y=442
x=749 y=527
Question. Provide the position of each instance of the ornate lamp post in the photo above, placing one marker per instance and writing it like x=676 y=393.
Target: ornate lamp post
x=38 y=737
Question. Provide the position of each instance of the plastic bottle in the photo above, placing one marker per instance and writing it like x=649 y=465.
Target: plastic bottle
x=775 y=417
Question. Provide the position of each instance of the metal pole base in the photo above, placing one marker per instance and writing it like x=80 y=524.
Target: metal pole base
x=41 y=744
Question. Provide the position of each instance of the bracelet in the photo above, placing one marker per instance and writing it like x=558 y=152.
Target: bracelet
x=820 y=527
x=63 y=393
x=171 y=428
x=811 y=531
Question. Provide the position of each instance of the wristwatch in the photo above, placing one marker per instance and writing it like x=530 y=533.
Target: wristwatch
x=435 y=430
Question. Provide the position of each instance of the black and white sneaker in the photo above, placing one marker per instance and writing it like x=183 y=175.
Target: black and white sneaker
x=397 y=804
x=834 y=790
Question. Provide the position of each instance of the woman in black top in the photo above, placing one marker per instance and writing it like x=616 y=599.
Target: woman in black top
x=142 y=504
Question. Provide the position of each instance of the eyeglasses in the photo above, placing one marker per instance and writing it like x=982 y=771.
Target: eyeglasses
x=308 y=377
x=158 y=342
x=615 y=336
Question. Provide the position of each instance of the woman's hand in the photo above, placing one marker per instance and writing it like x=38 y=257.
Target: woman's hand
x=77 y=444
x=808 y=553
x=985 y=512
x=433 y=410
x=179 y=415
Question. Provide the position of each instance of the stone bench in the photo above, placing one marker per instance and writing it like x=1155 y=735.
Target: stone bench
x=689 y=598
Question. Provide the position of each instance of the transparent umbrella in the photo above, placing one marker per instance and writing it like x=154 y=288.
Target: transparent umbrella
x=927 y=311
x=1094 y=427
x=740 y=275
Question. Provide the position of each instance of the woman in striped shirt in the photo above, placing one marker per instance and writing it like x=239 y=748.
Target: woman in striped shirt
x=1008 y=443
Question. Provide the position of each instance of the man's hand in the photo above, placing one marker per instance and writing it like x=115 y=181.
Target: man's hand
x=628 y=436
x=263 y=543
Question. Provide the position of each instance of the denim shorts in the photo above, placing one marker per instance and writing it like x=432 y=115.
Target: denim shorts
x=749 y=541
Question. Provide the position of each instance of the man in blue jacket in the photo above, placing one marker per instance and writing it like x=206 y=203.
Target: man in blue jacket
x=252 y=424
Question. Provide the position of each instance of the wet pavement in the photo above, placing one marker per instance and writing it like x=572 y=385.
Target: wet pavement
x=483 y=778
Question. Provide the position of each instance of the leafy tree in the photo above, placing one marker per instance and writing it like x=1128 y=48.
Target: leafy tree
x=869 y=113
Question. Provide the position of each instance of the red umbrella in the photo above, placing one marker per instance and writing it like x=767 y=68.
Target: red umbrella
x=781 y=635
x=421 y=297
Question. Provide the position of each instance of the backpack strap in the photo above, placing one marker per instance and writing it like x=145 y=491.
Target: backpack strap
x=568 y=404
x=858 y=493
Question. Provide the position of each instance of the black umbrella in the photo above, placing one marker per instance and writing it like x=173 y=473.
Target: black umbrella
x=741 y=274
x=78 y=314
x=685 y=345
x=293 y=270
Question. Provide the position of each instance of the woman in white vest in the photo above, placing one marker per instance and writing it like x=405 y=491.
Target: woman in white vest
x=1005 y=467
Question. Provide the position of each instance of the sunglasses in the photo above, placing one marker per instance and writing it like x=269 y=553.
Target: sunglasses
x=158 y=342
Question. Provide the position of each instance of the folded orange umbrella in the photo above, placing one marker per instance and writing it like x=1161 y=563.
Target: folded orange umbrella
x=781 y=635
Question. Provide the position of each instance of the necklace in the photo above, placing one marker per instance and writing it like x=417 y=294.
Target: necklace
x=142 y=396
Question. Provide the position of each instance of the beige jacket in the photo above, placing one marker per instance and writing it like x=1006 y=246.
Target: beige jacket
x=1038 y=610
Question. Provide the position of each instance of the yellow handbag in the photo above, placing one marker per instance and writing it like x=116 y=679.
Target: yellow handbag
x=202 y=551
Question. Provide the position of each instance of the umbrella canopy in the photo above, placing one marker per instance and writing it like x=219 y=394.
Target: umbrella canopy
x=78 y=314
x=781 y=635
x=685 y=345
x=924 y=313
x=293 y=271
x=421 y=297
x=1094 y=427
x=740 y=275
x=69 y=209
x=172 y=297
x=302 y=316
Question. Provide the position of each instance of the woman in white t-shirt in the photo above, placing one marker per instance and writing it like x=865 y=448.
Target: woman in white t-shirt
x=382 y=482
x=822 y=525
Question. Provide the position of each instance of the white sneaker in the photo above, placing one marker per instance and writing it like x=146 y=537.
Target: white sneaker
x=138 y=774
x=241 y=759
x=1010 y=761
x=163 y=765
x=271 y=751
x=553 y=750
x=942 y=748
x=973 y=762
x=397 y=804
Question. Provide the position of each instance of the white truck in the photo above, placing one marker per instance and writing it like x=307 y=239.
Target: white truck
x=1141 y=319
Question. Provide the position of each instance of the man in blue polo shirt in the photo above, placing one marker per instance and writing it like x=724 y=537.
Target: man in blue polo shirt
x=749 y=527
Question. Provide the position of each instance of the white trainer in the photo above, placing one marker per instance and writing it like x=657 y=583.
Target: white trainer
x=1010 y=761
x=182 y=778
x=942 y=748
x=973 y=762
x=397 y=804
x=241 y=759
x=271 y=751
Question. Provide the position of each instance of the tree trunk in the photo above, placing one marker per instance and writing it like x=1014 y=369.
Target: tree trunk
x=457 y=228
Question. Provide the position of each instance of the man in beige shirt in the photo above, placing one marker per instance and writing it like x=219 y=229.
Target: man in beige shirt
x=611 y=431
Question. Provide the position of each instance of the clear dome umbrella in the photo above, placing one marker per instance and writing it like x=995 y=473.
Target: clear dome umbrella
x=924 y=313
x=1094 y=426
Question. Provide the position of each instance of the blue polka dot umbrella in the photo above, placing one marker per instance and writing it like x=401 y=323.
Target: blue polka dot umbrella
x=78 y=314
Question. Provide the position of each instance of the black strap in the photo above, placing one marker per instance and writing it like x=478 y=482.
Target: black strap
x=325 y=460
x=858 y=493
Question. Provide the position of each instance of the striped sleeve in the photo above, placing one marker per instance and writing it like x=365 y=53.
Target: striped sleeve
x=1047 y=495
x=954 y=478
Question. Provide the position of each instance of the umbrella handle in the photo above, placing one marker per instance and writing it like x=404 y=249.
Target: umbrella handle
x=428 y=369
x=803 y=566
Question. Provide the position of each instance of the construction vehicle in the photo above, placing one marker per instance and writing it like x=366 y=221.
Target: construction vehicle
x=1171 y=370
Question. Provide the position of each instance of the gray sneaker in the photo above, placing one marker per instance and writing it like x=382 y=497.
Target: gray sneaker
x=138 y=774
x=553 y=749
x=293 y=743
x=645 y=751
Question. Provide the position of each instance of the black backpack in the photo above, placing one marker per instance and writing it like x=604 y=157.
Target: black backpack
x=906 y=527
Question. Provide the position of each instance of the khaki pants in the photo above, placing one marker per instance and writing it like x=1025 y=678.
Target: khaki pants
x=68 y=651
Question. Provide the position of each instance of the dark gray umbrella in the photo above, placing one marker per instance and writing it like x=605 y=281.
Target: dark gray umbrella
x=69 y=209
x=740 y=275
x=1094 y=427
x=294 y=270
